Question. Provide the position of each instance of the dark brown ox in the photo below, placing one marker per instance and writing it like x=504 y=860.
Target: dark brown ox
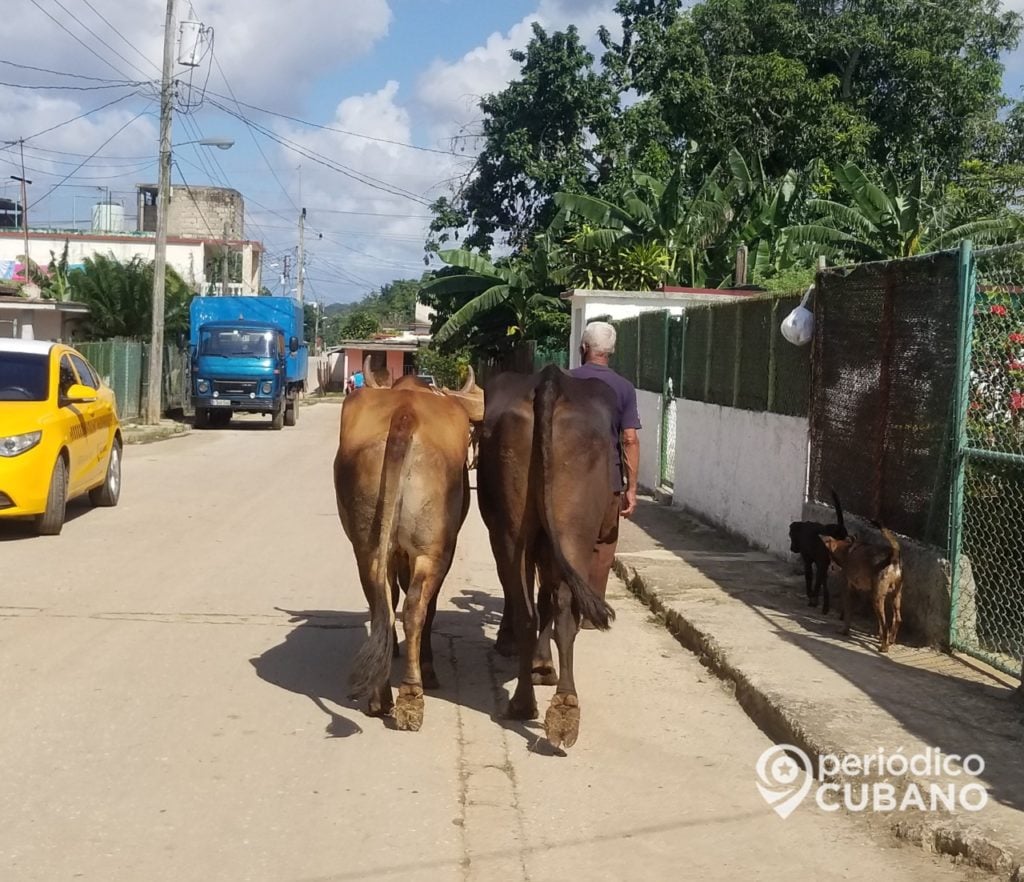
x=544 y=484
x=403 y=492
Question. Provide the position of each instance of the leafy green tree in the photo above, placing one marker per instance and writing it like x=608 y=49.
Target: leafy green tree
x=360 y=326
x=889 y=218
x=447 y=369
x=120 y=298
x=894 y=83
x=539 y=137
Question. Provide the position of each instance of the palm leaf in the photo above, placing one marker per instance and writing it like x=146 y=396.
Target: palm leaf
x=496 y=295
x=595 y=210
x=986 y=230
x=463 y=284
x=843 y=217
x=472 y=261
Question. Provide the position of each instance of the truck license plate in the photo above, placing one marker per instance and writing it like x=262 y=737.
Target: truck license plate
x=221 y=401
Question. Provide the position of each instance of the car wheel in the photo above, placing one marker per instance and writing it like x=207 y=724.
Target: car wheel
x=109 y=491
x=51 y=521
x=277 y=418
x=291 y=412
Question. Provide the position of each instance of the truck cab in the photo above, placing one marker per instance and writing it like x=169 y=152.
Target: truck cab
x=247 y=356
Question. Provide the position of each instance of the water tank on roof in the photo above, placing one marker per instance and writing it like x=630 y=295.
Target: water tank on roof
x=108 y=217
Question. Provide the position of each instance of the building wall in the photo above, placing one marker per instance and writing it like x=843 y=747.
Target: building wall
x=741 y=470
x=586 y=309
x=206 y=213
x=31 y=324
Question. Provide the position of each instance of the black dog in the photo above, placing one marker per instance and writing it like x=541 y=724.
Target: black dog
x=805 y=540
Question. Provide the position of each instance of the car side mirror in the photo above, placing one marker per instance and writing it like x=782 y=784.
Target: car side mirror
x=293 y=345
x=79 y=394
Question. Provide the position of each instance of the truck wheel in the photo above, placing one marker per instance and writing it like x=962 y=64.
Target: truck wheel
x=220 y=419
x=291 y=412
x=277 y=419
x=202 y=418
x=51 y=521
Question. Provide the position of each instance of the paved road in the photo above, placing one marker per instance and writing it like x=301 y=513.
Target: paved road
x=173 y=707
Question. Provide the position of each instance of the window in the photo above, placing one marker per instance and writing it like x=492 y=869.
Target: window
x=23 y=376
x=237 y=342
x=85 y=372
x=68 y=378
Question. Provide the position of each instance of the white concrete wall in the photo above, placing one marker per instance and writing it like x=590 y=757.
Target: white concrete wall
x=649 y=406
x=589 y=308
x=741 y=470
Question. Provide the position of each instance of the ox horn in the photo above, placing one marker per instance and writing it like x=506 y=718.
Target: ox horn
x=368 y=377
x=470 y=383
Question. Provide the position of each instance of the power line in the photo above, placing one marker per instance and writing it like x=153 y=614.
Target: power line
x=84 y=115
x=128 y=42
x=104 y=144
x=93 y=33
x=64 y=88
x=61 y=73
x=195 y=201
x=361 y=177
x=314 y=125
x=78 y=39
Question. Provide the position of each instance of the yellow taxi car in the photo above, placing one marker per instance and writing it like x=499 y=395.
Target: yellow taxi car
x=59 y=433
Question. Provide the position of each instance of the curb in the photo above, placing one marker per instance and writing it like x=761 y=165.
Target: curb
x=945 y=834
x=150 y=434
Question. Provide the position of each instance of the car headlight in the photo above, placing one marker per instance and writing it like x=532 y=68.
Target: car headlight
x=12 y=445
x=267 y=387
x=202 y=386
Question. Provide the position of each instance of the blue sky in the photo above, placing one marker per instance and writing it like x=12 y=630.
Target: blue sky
x=395 y=75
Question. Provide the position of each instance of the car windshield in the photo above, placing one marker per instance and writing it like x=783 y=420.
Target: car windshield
x=237 y=342
x=23 y=376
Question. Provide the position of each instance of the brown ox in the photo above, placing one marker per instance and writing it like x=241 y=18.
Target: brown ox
x=544 y=482
x=403 y=492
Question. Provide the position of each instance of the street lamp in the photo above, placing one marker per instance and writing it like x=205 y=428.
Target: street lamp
x=163 y=198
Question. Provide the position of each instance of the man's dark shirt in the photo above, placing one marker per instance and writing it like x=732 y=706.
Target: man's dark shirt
x=627 y=416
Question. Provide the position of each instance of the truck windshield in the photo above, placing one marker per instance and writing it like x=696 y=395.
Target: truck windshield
x=23 y=376
x=238 y=342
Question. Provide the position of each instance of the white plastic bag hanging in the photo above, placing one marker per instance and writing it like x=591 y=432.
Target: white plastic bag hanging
x=798 y=326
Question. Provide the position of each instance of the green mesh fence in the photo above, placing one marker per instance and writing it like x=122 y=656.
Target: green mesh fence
x=626 y=348
x=790 y=370
x=724 y=352
x=543 y=357
x=988 y=598
x=695 y=352
x=750 y=390
x=119 y=363
x=653 y=346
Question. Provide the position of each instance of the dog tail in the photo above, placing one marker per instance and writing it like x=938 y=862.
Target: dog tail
x=896 y=551
x=839 y=510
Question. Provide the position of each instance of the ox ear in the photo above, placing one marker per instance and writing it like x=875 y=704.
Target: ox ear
x=472 y=403
x=470 y=384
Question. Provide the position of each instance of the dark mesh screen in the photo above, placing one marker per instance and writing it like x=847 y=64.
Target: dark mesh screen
x=723 y=354
x=791 y=377
x=625 y=359
x=755 y=332
x=652 y=350
x=695 y=352
x=884 y=371
x=676 y=329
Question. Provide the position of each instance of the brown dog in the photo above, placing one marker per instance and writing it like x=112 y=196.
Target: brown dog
x=874 y=570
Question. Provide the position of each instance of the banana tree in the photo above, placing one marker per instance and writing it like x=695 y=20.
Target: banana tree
x=519 y=287
x=887 y=218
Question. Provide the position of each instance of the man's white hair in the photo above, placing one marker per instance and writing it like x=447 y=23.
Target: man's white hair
x=599 y=338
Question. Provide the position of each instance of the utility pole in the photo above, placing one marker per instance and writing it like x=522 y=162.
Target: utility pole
x=24 y=209
x=224 y=265
x=163 y=198
x=302 y=255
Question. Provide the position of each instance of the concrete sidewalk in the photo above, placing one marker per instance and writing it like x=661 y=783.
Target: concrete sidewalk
x=745 y=614
x=138 y=433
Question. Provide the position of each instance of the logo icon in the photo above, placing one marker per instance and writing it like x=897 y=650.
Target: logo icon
x=784 y=777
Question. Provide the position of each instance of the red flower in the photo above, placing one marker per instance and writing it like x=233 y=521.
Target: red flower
x=1017 y=400
x=998 y=309
x=1016 y=337
x=1016 y=365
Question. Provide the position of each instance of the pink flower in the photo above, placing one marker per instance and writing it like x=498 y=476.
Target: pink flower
x=1016 y=337
x=1016 y=365
x=998 y=309
x=1017 y=400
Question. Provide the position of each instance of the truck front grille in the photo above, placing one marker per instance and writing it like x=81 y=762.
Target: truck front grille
x=233 y=388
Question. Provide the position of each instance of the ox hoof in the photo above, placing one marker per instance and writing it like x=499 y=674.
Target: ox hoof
x=544 y=674
x=506 y=646
x=562 y=721
x=409 y=710
x=521 y=709
x=381 y=704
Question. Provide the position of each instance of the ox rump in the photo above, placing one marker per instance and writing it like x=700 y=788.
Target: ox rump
x=403 y=492
x=544 y=483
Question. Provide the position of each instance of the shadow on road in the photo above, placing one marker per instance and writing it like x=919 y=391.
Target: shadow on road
x=316 y=656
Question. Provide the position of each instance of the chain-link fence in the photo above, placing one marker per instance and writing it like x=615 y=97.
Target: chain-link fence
x=988 y=521
x=124 y=366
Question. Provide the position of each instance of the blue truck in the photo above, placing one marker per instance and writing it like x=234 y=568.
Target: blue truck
x=247 y=355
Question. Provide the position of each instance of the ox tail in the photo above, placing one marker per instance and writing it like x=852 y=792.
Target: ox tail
x=591 y=606
x=372 y=664
x=839 y=511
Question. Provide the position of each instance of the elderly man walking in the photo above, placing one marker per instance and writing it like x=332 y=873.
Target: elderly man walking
x=596 y=348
